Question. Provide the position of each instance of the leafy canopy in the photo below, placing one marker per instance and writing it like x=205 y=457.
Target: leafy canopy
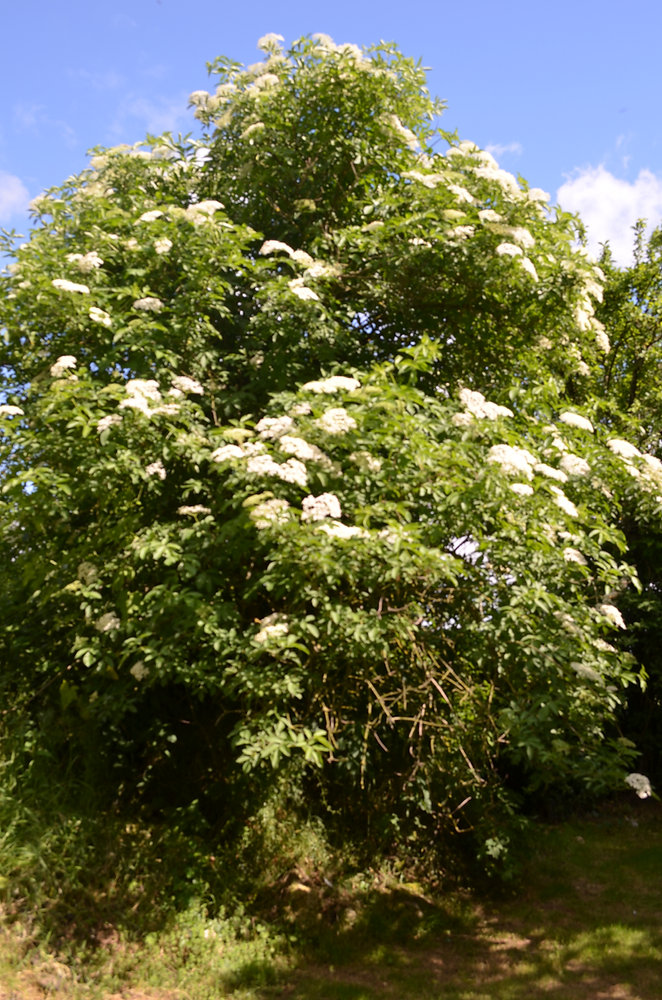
x=299 y=475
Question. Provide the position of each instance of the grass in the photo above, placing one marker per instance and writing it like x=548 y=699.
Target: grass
x=585 y=924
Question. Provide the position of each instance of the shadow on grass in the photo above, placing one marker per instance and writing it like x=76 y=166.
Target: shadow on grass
x=585 y=925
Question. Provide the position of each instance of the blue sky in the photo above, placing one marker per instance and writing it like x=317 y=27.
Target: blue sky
x=565 y=93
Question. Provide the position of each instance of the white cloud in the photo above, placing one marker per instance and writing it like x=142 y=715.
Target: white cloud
x=500 y=149
x=610 y=206
x=14 y=196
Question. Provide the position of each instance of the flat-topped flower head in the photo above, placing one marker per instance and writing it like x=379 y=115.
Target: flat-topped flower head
x=612 y=614
x=640 y=784
x=623 y=448
x=156 y=469
x=301 y=290
x=226 y=453
x=563 y=502
x=574 y=556
x=273 y=427
x=576 y=420
x=550 y=472
x=63 y=285
x=100 y=316
x=573 y=465
x=512 y=460
x=476 y=404
x=336 y=421
x=187 y=385
x=107 y=422
x=271 y=512
x=86 y=262
x=317 y=508
x=151 y=216
x=149 y=304
x=63 y=364
x=335 y=383
x=107 y=623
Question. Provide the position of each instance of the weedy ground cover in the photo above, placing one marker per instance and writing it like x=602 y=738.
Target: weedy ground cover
x=584 y=922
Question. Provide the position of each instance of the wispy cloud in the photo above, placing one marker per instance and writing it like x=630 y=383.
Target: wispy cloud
x=35 y=118
x=14 y=196
x=99 y=80
x=609 y=206
x=152 y=116
x=503 y=149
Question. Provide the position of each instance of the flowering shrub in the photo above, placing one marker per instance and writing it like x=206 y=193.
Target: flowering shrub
x=275 y=498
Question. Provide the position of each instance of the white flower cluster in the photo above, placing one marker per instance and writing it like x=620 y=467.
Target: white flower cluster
x=163 y=245
x=336 y=530
x=302 y=450
x=148 y=304
x=62 y=365
x=461 y=193
x=573 y=465
x=602 y=340
x=100 y=316
x=512 y=460
x=142 y=392
x=277 y=246
x=291 y=471
x=156 y=469
x=273 y=627
x=404 y=133
x=107 y=623
x=335 y=383
x=562 y=501
x=87 y=573
x=63 y=285
x=550 y=472
x=270 y=512
x=273 y=427
x=226 y=453
x=202 y=211
x=185 y=384
x=640 y=784
x=623 y=448
x=336 y=421
x=86 y=262
x=523 y=489
x=6 y=410
x=612 y=614
x=269 y=42
x=427 y=180
x=476 y=405
x=576 y=420
x=317 y=508
x=366 y=460
x=109 y=421
x=192 y=510
x=584 y=670
x=574 y=556
x=301 y=290
x=151 y=216
x=518 y=234
x=139 y=671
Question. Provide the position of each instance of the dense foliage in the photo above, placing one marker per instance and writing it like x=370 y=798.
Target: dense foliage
x=306 y=483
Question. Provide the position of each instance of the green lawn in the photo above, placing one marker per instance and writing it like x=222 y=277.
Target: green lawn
x=585 y=924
